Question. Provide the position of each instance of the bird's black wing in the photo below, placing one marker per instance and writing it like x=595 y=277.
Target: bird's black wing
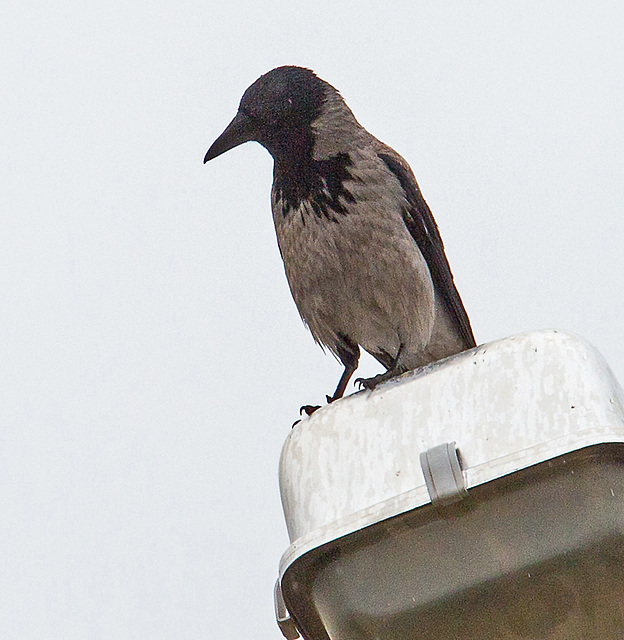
x=423 y=228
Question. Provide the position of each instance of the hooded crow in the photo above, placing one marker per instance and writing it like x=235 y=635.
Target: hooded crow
x=361 y=250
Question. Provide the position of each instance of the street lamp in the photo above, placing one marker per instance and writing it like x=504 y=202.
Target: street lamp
x=481 y=498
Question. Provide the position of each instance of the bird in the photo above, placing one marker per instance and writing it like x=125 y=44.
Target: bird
x=362 y=253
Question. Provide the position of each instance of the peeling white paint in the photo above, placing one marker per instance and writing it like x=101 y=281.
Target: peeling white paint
x=508 y=405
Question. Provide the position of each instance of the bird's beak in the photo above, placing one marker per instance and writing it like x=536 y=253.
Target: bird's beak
x=240 y=130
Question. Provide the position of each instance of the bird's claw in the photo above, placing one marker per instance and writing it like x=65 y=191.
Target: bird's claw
x=364 y=383
x=309 y=409
x=370 y=383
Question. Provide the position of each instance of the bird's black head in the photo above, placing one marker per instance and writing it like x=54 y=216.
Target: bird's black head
x=276 y=111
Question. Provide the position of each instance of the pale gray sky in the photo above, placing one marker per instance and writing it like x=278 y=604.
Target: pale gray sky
x=152 y=359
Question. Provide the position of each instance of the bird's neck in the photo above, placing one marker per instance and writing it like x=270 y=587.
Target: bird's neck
x=292 y=149
x=312 y=162
x=295 y=175
x=321 y=185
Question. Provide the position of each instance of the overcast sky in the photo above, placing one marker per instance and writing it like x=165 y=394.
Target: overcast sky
x=152 y=360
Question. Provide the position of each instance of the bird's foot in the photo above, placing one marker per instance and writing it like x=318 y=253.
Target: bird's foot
x=371 y=383
x=309 y=409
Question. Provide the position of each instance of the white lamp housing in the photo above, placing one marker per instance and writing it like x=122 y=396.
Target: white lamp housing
x=481 y=497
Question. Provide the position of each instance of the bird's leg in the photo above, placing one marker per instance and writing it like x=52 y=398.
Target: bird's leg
x=395 y=369
x=340 y=389
x=350 y=367
x=349 y=354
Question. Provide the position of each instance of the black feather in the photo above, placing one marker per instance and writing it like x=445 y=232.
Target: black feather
x=421 y=224
x=322 y=183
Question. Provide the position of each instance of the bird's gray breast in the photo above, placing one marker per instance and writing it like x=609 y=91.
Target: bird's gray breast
x=352 y=266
